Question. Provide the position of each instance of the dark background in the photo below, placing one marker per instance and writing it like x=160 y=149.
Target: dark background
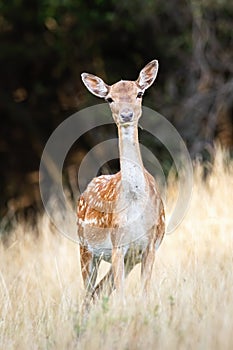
x=46 y=44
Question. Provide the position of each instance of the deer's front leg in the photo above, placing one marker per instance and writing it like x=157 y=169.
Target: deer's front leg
x=89 y=268
x=118 y=269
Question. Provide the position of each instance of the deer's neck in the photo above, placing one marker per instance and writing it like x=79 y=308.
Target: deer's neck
x=133 y=182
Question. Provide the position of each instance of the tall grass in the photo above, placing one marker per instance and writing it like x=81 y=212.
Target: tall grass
x=191 y=301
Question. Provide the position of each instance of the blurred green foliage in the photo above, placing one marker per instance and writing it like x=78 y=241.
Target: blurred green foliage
x=46 y=44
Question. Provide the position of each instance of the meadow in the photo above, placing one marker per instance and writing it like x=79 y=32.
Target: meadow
x=190 y=305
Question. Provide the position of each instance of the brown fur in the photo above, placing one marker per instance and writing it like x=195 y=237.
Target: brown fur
x=101 y=216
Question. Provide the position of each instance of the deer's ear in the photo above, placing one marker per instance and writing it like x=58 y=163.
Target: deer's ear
x=148 y=74
x=95 y=85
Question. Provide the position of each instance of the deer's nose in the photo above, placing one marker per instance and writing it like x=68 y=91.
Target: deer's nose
x=126 y=116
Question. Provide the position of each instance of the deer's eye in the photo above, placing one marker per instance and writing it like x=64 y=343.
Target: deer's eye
x=109 y=100
x=140 y=94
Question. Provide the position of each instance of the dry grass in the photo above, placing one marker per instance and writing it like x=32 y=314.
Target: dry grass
x=191 y=301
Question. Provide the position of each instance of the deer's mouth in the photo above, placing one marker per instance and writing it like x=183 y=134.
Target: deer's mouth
x=127 y=124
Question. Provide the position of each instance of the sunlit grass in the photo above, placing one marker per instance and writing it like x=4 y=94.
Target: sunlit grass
x=191 y=300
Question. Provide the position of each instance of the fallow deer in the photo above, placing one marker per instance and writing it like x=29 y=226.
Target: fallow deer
x=121 y=217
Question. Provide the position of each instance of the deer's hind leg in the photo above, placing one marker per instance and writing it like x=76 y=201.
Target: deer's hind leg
x=148 y=257
x=106 y=285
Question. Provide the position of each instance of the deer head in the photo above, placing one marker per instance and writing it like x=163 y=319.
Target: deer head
x=124 y=97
